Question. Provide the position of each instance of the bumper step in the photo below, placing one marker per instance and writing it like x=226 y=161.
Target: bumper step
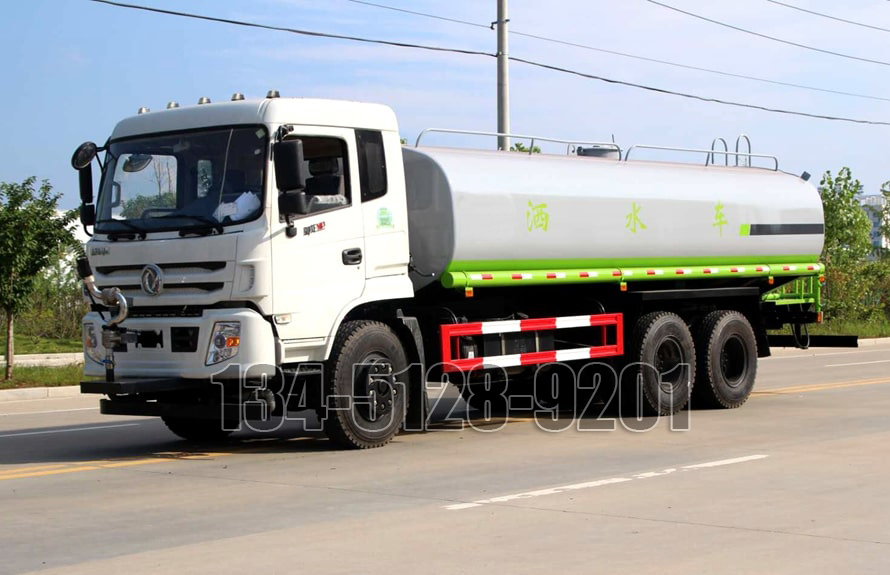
x=133 y=386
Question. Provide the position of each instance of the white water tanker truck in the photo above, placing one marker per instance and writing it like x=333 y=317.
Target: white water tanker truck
x=254 y=258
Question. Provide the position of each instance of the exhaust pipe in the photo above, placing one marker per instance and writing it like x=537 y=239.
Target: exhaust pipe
x=110 y=297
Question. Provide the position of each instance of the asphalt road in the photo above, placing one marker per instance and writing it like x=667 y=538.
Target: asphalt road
x=796 y=481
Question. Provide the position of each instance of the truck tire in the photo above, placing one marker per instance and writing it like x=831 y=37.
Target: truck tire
x=197 y=429
x=727 y=367
x=661 y=340
x=364 y=404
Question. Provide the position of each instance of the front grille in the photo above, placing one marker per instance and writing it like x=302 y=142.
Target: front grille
x=184 y=339
x=204 y=286
x=157 y=311
x=206 y=266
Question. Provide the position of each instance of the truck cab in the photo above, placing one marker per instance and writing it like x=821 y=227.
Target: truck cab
x=188 y=227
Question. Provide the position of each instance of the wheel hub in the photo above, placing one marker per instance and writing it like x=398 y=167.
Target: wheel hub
x=376 y=383
x=670 y=365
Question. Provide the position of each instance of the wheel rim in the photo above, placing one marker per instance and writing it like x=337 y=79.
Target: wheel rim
x=669 y=361
x=734 y=361
x=374 y=387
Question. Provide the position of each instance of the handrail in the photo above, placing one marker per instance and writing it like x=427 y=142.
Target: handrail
x=737 y=142
x=698 y=151
x=533 y=139
x=711 y=160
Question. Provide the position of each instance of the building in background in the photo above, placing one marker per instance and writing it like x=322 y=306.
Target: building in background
x=874 y=206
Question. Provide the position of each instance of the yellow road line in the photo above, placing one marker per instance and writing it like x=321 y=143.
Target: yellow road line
x=58 y=469
x=822 y=386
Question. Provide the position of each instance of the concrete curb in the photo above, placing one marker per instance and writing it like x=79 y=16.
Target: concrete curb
x=27 y=393
x=874 y=341
x=45 y=359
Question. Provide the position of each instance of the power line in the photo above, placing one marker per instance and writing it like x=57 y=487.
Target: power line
x=293 y=30
x=830 y=17
x=701 y=69
x=425 y=15
x=695 y=97
x=773 y=38
x=633 y=56
x=477 y=53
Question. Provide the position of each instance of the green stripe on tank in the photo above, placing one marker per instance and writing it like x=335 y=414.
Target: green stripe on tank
x=593 y=264
x=514 y=278
x=745 y=230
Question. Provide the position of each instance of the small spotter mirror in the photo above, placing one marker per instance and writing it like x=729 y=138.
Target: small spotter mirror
x=137 y=162
x=83 y=155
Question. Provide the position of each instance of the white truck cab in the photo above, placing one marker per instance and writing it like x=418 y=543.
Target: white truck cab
x=188 y=227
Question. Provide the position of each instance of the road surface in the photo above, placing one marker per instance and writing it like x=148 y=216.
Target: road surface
x=796 y=481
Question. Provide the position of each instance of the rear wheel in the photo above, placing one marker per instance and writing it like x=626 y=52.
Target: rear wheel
x=365 y=386
x=664 y=354
x=727 y=368
x=197 y=429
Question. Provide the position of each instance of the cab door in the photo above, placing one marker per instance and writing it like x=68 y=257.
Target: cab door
x=320 y=271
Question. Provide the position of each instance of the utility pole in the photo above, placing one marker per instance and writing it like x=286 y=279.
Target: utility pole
x=503 y=76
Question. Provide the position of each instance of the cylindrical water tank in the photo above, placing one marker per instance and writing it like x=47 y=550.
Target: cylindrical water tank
x=473 y=210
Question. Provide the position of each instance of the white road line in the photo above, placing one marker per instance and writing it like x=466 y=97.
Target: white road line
x=809 y=355
x=723 y=462
x=51 y=411
x=858 y=363
x=597 y=483
x=69 y=430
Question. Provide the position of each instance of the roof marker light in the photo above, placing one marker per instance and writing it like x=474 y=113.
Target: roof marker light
x=172 y=104
x=203 y=100
x=273 y=94
x=237 y=97
x=143 y=110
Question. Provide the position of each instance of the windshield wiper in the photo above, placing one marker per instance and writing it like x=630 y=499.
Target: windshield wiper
x=114 y=236
x=210 y=224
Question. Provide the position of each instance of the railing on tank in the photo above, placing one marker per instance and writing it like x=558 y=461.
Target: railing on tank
x=571 y=145
x=711 y=155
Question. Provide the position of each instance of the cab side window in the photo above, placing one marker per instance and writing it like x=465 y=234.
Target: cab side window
x=327 y=186
x=371 y=164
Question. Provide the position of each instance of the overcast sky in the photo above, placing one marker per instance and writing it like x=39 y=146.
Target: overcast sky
x=73 y=68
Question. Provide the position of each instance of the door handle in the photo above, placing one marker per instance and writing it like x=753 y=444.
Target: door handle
x=352 y=257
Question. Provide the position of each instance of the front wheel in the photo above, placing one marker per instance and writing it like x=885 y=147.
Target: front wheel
x=197 y=429
x=365 y=386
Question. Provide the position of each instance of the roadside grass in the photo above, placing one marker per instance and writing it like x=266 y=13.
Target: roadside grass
x=43 y=377
x=25 y=344
x=864 y=329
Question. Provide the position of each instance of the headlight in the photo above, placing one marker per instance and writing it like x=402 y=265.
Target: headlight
x=224 y=341
x=91 y=343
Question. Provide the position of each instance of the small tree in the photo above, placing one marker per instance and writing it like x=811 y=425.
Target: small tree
x=520 y=147
x=847 y=245
x=31 y=236
x=847 y=227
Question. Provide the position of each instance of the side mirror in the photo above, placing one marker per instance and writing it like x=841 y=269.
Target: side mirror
x=85 y=177
x=293 y=203
x=288 y=157
x=88 y=214
x=84 y=155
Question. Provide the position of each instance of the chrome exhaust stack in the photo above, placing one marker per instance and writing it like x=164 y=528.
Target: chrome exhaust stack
x=112 y=335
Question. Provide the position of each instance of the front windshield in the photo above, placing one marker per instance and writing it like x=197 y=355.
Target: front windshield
x=179 y=181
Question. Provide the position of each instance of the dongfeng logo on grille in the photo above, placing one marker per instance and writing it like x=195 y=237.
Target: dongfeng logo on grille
x=152 y=280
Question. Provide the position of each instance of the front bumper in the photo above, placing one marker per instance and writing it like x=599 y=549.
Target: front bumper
x=170 y=359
